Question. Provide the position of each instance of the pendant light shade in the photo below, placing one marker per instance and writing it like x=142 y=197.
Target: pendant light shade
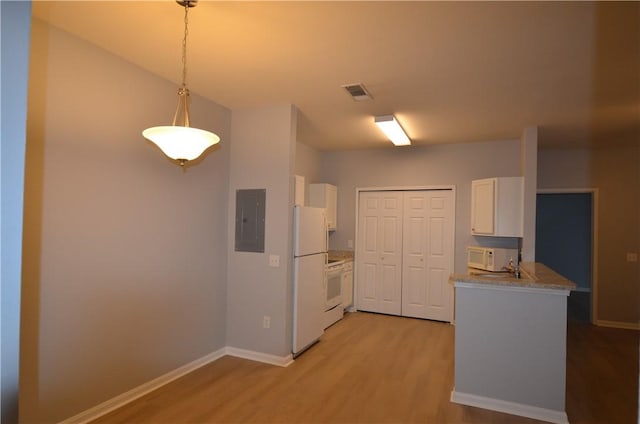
x=180 y=141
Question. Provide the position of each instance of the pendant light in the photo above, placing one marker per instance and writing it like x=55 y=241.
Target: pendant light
x=180 y=141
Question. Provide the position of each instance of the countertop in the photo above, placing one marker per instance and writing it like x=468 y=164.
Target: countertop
x=341 y=255
x=534 y=275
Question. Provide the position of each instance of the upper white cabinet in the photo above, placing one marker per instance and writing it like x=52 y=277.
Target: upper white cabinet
x=298 y=184
x=497 y=207
x=325 y=196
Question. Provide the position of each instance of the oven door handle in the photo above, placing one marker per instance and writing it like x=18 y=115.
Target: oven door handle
x=332 y=272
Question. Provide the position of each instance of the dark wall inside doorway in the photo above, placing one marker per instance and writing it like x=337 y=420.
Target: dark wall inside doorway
x=563 y=235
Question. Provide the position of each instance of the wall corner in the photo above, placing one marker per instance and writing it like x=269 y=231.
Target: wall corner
x=529 y=170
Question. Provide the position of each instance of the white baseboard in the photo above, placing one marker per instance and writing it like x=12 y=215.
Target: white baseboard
x=522 y=410
x=618 y=324
x=281 y=361
x=135 y=393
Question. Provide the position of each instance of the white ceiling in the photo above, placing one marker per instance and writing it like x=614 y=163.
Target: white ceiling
x=449 y=71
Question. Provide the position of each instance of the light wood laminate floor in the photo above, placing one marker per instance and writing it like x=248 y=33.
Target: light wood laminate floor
x=372 y=368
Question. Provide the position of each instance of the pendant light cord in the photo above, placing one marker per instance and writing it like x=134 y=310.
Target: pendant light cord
x=183 y=92
x=184 y=46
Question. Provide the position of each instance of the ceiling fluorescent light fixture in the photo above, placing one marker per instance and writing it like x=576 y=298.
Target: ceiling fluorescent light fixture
x=180 y=141
x=392 y=129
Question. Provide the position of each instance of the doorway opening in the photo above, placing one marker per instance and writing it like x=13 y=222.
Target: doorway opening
x=566 y=241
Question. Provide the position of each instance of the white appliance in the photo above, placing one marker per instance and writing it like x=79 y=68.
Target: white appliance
x=333 y=293
x=490 y=258
x=309 y=259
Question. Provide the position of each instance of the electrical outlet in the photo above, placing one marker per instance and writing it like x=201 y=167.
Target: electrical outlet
x=349 y=244
x=632 y=257
x=266 y=321
x=274 y=261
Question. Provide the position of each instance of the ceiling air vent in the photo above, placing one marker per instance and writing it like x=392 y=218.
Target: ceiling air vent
x=357 y=92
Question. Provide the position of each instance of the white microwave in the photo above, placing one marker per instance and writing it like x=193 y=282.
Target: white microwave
x=490 y=258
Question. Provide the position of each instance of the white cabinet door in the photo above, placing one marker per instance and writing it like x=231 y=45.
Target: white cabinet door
x=483 y=206
x=428 y=235
x=332 y=206
x=298 y=184
x=309 y=300
x=497 y=206
x=380 y=252
x=325 y=196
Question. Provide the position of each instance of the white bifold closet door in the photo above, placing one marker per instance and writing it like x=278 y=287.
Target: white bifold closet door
x=379 y=252
x=405 y=253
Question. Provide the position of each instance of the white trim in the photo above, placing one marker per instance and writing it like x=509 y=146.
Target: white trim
x=565 y=190
x=281 y=361
x=148 y=387
x=143 y=389
x=595 y=211
x=506 y=287
x=520 y=409
x=406 y=188
x=618 y=324
x=452 y=259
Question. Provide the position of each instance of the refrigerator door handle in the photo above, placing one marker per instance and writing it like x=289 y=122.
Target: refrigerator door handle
x=326 y=232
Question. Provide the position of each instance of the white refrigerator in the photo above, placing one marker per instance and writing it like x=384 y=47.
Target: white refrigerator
x=309 y=260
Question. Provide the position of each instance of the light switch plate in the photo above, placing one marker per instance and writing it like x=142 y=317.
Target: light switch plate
x=632 y=257
x=274 y=261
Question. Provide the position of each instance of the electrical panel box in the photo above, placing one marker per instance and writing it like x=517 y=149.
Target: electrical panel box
x=250 y=214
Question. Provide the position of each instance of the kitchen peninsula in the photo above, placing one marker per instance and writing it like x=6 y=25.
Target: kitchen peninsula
x=510 y=342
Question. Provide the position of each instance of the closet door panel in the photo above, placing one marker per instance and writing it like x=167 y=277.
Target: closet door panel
x=380 y=235
x=439 y=302
x=414 y=293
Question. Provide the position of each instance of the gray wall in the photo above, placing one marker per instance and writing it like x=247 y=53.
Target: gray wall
x=262 y=156
x=16 y=21
x=614 y=169
x=124 y=274
x=529 y=169
x=449 y=164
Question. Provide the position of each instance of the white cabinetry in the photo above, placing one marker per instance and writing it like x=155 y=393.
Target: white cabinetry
x=497 y=207
x=325 y=196
x=347 y=284
x=298 y=184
